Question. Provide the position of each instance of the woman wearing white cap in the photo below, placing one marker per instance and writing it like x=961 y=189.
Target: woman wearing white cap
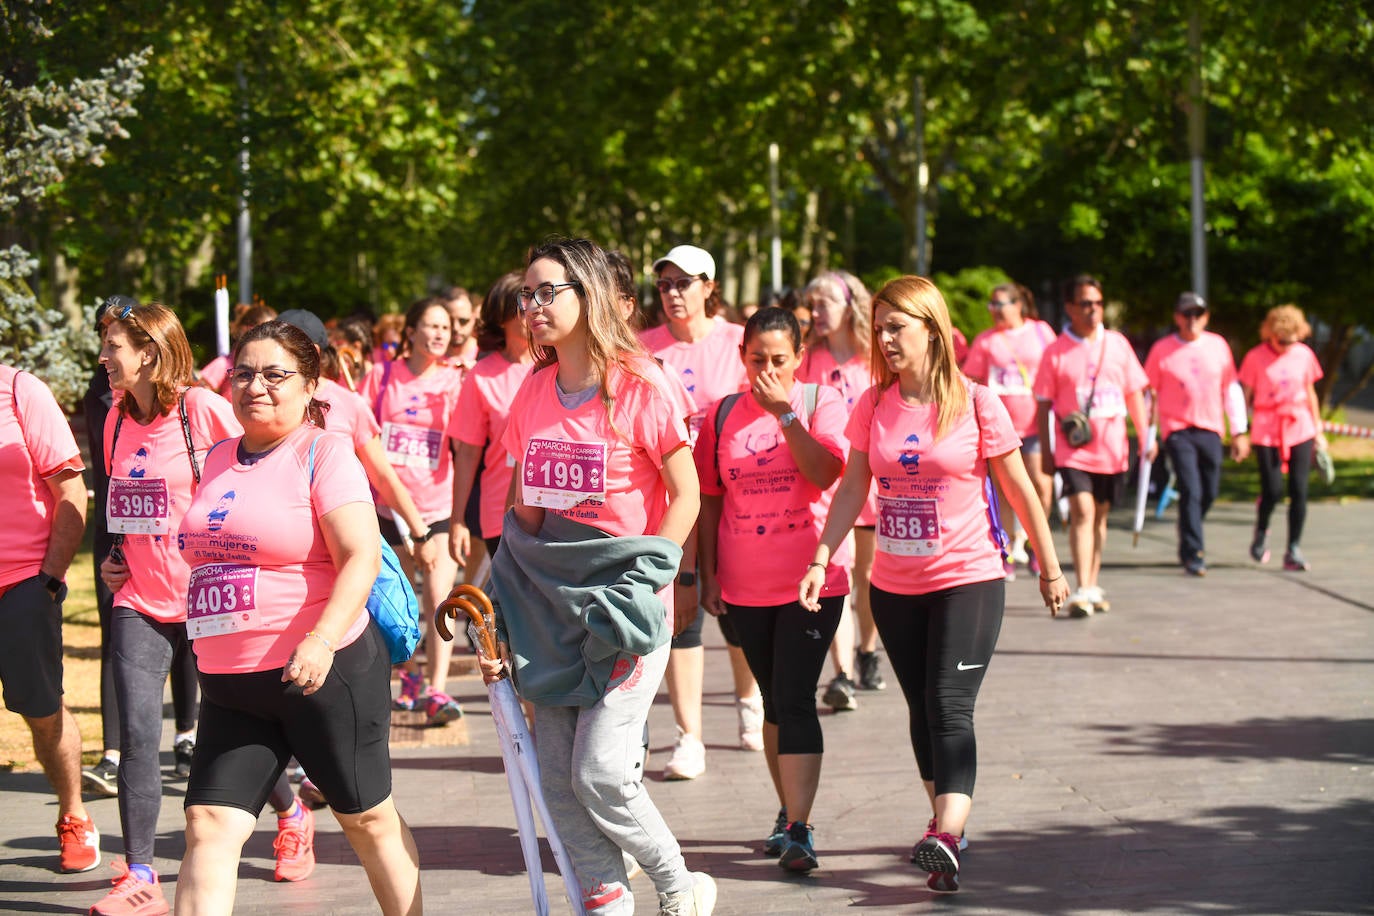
x=705 y=350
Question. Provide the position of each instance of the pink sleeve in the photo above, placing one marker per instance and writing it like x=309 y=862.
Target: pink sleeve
x=1044 y=376
x=861 y=420
x=1314 y=365
x=514 y=437
x=976 y=366
x=1152 y=364
x=828 y=423
x=1246 y=375
x=996 y=434
x=705 y=455
x=210 y=415
x=468 y=423
x=48 y=435
x=658 y=428
x=339 y=478
x=371 y=384
x=215 y=372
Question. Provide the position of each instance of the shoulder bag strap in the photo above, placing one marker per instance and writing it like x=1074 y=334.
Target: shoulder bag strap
x=186 y=433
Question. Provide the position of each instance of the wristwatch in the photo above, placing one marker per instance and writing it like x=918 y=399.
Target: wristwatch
x=422 y=538
x=52 y=584
x=787 y=419
x=687 y=579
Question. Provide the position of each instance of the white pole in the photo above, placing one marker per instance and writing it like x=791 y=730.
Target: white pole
x=776 y=215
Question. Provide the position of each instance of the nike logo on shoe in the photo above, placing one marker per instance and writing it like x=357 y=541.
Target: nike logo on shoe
x=814 y=634
x=962 y=667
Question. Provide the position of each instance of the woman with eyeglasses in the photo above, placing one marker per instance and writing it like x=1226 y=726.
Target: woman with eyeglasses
x=413 y=397
x=1279 y=380
x=703 y=348
x=837 y=356
x=282 y=540
x=1006 y=358
x=605 y=493
x=155 y=441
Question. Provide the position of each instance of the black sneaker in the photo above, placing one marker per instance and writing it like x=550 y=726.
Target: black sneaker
x=1259 y=546
x=799 y=855
x=1195 y=567
x=773 y=846
x=839 y=695
x=102 y=779
x=870 y=677
x=184 y=750
x=1294 y=561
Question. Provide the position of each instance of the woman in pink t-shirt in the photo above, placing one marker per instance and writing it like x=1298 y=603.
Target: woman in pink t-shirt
x=597 y=440
x=413 y=397
x=764 y=483
x=931 y=439
x=1279 y=380
x=283 y=544
x=703 y=348
x=1006 y=358
x=155 y=440
x=839 y=355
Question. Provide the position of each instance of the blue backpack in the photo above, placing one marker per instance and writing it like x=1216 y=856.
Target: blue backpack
x=392 y=601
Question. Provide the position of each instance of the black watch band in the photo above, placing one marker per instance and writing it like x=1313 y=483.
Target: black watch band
x=420 y=540
x=687 y=579
x=51 y=584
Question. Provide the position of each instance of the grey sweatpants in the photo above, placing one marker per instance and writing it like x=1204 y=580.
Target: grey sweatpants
x=591 y=766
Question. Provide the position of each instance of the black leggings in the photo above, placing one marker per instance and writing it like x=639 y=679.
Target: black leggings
x=786 y=646
x=939 y=646
x=1271 y=485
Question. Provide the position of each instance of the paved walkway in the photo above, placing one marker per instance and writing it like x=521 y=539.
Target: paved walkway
x=1207 y=747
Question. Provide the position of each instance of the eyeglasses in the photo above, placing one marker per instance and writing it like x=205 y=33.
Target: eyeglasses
x=1193 y=314
x=1000 y=303
x=681 y=284
x=272 y=379
x=542 y=295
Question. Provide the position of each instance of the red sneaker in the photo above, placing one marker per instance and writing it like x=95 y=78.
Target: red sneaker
x=132 y=896
x=78 y=844
x=295 y=846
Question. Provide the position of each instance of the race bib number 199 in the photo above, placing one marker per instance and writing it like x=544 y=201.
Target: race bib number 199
x=222 y=598
x=559 y=474
x=908 y=527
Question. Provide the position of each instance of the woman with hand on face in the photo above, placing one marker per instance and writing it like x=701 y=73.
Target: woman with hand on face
x=605 y=493
x=1006 y=358
x=837 y=356
x=1279 y=380
x=283 y=545
x=413 y=397
x=155 y=442
x=749 y=566
x=931 y=439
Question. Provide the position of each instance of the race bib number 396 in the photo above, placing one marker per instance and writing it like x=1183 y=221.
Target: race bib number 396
x=222 y=598
x=908 y=527
x=137 y=505
x=559 y=474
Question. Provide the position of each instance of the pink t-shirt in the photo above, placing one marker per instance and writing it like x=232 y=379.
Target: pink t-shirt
x=35 y=444
x=261 y=572
x=348 y=413
x=1007 y=361
x=1065 y=380
x=576 y=463
x=1282 y=412
x=216 y=374
x=1190 y=379
x=414 y=412
x=851 y=379
x=710 y=368
x=771 y=516
x=480 y=420
x=151 y=484
x=933 y=526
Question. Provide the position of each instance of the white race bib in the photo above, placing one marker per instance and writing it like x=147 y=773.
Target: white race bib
x=559 y=474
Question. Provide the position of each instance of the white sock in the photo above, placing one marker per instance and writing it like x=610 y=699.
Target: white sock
x=185 y=736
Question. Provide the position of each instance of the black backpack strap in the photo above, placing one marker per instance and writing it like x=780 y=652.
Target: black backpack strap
x=722 y=411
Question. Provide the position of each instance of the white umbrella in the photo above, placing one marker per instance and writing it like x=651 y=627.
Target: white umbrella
x=1142 y=490
x=517 y=749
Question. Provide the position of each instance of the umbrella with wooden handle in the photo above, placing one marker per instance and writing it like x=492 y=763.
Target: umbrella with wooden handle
x=517 y=747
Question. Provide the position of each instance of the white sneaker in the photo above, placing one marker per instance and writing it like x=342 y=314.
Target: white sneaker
x=688 y=760
x=1081 y=603
x=1099 y=599
x=1018 y=554
x=699 y=901
x=750 y=713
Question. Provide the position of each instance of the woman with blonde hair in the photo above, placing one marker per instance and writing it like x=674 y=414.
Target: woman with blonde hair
x=931 y=439
x=1279 y=380
x=838 y=356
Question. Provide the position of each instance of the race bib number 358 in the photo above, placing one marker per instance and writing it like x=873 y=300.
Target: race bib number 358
x=559 y=474
x=908 y=527
x=222 y=598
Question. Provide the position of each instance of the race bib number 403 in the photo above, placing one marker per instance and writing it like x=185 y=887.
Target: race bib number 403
x=137 y=505
x=908 y=527
x=559 y=474
x=222 y=598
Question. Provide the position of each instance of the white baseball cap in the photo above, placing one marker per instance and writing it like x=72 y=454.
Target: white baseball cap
x=691 y=259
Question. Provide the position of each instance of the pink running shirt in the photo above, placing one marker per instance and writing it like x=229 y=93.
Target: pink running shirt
x=480 y=420
x=771 y=516
x=933 y=527
x=710 y=369
x=151 y=485
x=851 y=379
x=35 y=444
x=1066 y=378
x=216 y=374
x=1007 y=361
x=575 y=464
x=348 y=414
x=1190 y=379
x=414 y=412
x=258 y=557
x=1282 y=413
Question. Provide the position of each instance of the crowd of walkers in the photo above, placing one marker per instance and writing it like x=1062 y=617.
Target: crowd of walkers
x=822 y=480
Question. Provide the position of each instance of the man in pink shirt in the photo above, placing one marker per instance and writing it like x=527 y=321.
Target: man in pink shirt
x=1193 y=375
x=1090 y=375
x=43 y=502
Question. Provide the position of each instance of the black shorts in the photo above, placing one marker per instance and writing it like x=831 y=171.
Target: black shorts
x=392 y=535
x=1105 y=488
x=252 y=724
x=31 y=651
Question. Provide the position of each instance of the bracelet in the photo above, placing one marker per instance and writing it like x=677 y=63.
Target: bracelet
x=816 y=565
x=327 y=644
x=1055 y=579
